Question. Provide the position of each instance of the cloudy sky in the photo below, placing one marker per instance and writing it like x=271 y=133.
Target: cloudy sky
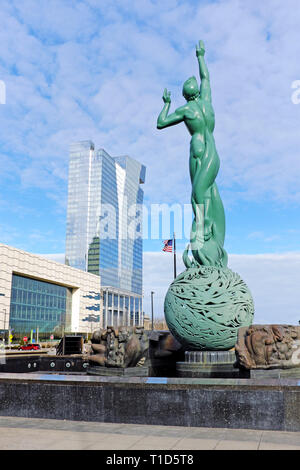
x=96 y=69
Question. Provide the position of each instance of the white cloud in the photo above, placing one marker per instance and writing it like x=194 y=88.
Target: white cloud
x=272 y=279
x=58 y=257
x=97 y=70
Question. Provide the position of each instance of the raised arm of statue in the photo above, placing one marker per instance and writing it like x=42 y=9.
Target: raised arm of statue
x=205 y=90
x=165 y=120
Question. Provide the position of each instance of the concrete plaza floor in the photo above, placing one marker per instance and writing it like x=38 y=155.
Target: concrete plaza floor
x=51 y=434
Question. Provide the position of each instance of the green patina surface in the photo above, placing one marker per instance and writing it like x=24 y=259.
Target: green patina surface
x=205 y=306
x=186 y=317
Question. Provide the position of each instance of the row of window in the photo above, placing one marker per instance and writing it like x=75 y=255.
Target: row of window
x=33 y=285
x=24 y=326
x=38 y=303
x=18 y=312
x=112 y=319
x=123 y=302
x=19 y=296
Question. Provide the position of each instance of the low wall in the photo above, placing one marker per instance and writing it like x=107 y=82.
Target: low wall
x=272 y=404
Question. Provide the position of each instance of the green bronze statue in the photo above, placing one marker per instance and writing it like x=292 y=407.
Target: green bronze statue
x=197 y=316
x=208 y=229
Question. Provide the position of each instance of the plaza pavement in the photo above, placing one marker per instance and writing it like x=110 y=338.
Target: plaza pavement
x=51 y=434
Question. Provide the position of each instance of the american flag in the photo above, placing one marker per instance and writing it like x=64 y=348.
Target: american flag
x=168 y=245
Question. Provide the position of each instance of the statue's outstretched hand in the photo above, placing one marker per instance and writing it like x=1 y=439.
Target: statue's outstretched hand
x=200 y=49
x=166 y=96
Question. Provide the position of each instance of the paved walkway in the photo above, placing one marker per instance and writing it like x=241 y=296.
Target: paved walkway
x=50 y=434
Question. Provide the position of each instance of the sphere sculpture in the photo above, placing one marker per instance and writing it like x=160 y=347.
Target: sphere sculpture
x=205 y=305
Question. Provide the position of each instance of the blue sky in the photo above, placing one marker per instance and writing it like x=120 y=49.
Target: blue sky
x=96 y=69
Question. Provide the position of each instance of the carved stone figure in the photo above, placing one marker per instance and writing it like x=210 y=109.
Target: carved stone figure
x=123 y=347
x=268 y=347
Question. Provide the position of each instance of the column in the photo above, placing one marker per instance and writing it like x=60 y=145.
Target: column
x=140 y=301
x=106 y=309
x=118 y=321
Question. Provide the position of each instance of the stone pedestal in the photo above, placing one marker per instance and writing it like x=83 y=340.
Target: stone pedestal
x=210 y=364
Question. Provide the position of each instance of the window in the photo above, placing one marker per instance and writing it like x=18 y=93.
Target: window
x=38 y=304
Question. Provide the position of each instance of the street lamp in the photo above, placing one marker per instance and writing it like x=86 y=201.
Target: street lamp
x=152 y=308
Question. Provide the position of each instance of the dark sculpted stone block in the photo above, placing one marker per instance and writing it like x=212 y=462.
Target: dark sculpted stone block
x=268 y=347
x=164 y=352
x=123 y=347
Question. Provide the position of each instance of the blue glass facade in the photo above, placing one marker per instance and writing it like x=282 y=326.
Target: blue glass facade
x=104 y=199
x=38 y=304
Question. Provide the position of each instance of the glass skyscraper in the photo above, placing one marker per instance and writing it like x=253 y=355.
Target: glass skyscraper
x=104 y=217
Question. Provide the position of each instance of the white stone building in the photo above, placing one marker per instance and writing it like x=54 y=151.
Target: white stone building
x=36 y=292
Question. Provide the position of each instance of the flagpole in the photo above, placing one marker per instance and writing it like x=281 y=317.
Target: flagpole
x=174 y=245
